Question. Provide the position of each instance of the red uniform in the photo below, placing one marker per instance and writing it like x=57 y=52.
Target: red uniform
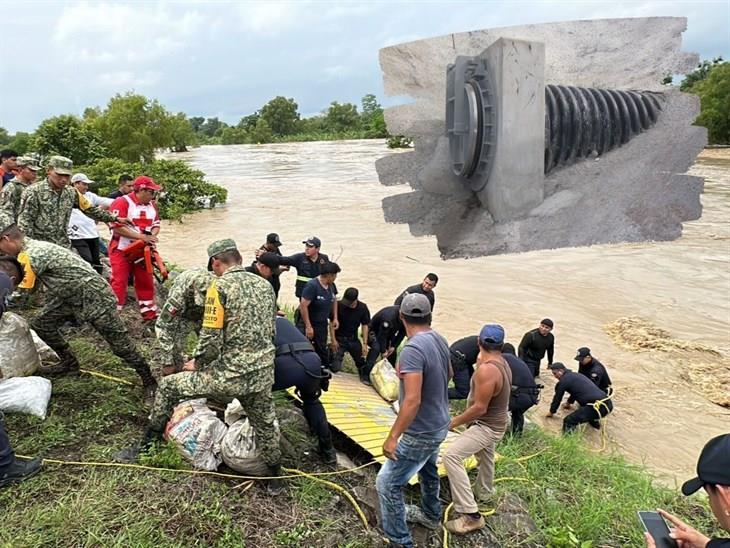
x=144 y=217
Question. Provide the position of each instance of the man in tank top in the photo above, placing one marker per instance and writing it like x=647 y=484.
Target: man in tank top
x=487 y=416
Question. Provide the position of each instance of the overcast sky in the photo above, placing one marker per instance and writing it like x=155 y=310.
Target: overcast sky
x=227 y=59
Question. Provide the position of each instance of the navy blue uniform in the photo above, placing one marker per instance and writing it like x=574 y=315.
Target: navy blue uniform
x=306 y=269
x=464 y=354
x=320 y=309
x=525 y=392
x=301 y=368
x=582 y=390
x=596 y=372
x=386 y=330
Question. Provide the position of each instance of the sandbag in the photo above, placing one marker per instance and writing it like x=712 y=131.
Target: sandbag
x=25 y=395
x=197 y=433
x=18 y=355
x=385 y=380
x=238 y=447
x=45 y=352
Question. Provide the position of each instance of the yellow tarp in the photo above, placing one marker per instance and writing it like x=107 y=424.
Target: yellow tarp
x=363 y=416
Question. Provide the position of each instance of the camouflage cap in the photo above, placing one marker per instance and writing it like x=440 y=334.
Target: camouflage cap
x=219 y=246
x=29 y=162
x=60 y=164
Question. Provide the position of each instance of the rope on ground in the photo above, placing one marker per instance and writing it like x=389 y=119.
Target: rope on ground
x=602 y=421
x=107 y=377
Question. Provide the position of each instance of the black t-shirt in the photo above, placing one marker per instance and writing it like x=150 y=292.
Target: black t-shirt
x=418 y=288
x=596 y=371
x=466 y=350
x=533 y=346
x=116 y=194
x=351 y=319
x=579 y=387
x=321 y=300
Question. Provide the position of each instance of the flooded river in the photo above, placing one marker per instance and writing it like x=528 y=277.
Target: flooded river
x=331 y=190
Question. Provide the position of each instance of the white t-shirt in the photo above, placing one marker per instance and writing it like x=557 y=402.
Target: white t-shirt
x=81 y=227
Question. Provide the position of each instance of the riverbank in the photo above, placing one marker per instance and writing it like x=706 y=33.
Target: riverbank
x=331 y=190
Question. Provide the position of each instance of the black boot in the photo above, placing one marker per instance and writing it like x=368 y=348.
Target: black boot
x=68 y=365
x=274 y=486
x=131 y=453
x=18 y=471
x=327 y=452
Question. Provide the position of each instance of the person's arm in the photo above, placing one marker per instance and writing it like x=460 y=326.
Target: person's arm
x=365 y=335
x=559 y=393
x=87 y=207
x=412 y=383
x=551 y=351
x=126 y=232
x=485 y=385
x=686 y=536
x=335 y=319
x=304 y=311
x=28 y=212
x=524 y=344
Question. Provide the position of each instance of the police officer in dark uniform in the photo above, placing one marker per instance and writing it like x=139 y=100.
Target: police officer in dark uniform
x=535 y=343
x=525 y=392
x=11 y=469
x=297 y=364
x=464 y=354
x=585 y=392
x=266 y=265
x=426 y=288
x=353 y=315
x=593 y=369
x=272 y=245
x=307 y=264
x=386 y=334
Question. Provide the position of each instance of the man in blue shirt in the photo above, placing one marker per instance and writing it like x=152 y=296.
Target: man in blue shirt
x=412 y=446
x=317 y=305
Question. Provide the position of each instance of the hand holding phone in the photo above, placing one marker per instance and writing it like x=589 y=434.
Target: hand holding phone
x=657 y=528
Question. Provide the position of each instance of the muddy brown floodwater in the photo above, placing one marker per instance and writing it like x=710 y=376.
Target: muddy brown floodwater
x=331 y=190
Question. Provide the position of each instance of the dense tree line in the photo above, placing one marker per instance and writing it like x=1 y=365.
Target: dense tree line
x=711 y=82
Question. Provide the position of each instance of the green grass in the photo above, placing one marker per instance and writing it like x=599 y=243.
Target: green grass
x=571 y=490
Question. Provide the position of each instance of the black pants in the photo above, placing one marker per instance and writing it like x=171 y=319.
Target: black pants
x=462 y=378
x=7 y=457
x=585 y=413
x=301 y=370
x=352 y=346
x=375 y=352
x=320 y=338
x=518 y=405
x=533 y=366
x=88 y=248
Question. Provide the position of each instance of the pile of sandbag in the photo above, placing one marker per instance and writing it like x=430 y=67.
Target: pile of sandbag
x=19 y=391
x=205 y=441
x=385 y=380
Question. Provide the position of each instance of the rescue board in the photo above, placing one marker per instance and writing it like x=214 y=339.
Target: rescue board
x=358 y=412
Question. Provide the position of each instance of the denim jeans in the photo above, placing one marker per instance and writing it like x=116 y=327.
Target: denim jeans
x=416 y=454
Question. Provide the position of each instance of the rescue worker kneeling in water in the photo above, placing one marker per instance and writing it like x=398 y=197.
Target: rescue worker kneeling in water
x=297 y=364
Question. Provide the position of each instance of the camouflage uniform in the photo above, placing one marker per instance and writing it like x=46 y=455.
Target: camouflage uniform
x=45 y=212
x=74 y=288
x=234 y=357
x=181 y=314
x=12 y=191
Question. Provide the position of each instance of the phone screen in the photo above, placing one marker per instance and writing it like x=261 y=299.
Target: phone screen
x=657 y=528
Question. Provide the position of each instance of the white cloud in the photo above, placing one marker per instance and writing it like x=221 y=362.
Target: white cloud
x=127 y=79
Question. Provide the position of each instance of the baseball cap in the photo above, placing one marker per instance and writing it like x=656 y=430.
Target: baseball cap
x=81 y=178
x=557 y=365
x=313 y=241
x=350 y=296
x=218 y=247
x=273 y=238
x=415 y=305
x=29 y=162
x=713 y=466
x=271 y=260
x=60 y=164
x=583 y=351
x=146 y=182
x=492 y=334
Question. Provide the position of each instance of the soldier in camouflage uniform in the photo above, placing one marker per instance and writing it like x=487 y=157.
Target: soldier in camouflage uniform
x=12 y=191
x=73 y=288
x=45 y=207
x=181 y=315
x=234 y=357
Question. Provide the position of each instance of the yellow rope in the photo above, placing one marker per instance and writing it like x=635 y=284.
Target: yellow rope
x=602 y=420
x=107 y=377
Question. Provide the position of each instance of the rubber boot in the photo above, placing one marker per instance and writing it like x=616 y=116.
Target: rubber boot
x=274 y=486
x=19 y=470
x=327 y=451
x=131 y=453
x=68 y=365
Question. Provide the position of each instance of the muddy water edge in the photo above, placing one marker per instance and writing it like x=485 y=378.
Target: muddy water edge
x=331 y=190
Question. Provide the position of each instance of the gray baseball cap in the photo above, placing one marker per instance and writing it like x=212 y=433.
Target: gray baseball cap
x=415 y=305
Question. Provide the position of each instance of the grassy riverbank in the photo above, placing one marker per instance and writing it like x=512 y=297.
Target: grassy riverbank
x=568 y=489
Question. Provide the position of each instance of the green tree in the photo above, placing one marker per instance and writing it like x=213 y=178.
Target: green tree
x=233 y=136
x=132 y=127
x=248 y=123
x=21 y=142
x=211 y=126
x=182 y=132
x=69 y=136
x=342 y=117
x=373 y=118
x=262 y=133
x=4 y=136
x=281 y=116
x=714 y=93
x=196 y=122
x=699 y=74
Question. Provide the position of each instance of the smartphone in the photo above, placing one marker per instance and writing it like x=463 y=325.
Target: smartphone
x=655 y=525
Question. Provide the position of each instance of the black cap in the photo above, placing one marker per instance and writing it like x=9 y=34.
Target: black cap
x=557 y=365
x=713 y=466
x=548 y=322
x=271 y=260
x=350 y=296
x=273 y=239
x=583 y=351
